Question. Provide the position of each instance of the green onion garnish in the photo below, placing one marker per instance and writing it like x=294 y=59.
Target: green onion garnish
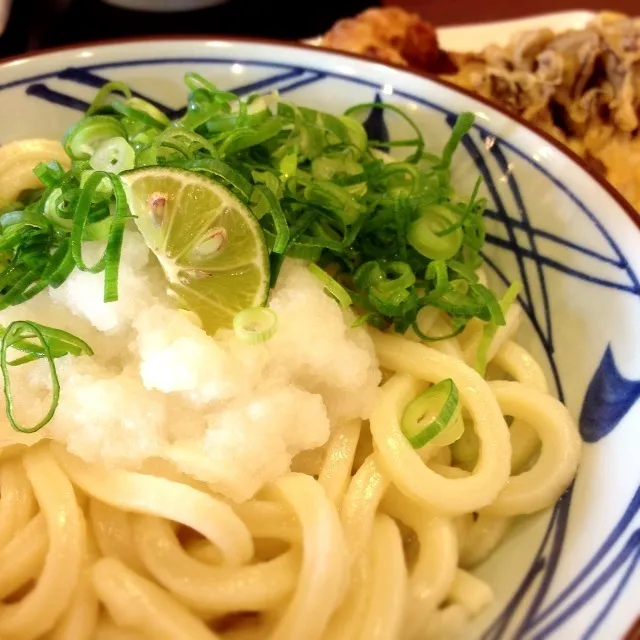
x=433 y=414
x=392 y=231
x=255 y=325
x=114 y=155
x=332 y=287
x=497 y=319
x=49 y=343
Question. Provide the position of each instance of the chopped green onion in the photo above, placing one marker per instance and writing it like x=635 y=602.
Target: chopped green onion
x=336 y=290
x=51 y=210
x=433 y=414
x=143 y=105
x=277 y=215
x=335 y=198
x=106 y=91
x=460 y=129
x=138 y=115
x=255 y=325
x=321 y=191
x=114 y=155
x=110 y=260
x=51 y=343
x=417 y=142
x=356 y=132
x=88 y=134
x=423 y=234
x=50 y=174
x=490 y=328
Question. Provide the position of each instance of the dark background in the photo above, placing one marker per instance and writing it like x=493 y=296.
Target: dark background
x=36 y=24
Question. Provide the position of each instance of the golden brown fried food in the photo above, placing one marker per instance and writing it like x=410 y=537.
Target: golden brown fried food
x=389 y=34
x=581 y=86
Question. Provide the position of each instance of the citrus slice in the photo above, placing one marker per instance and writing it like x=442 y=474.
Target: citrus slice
x=209 y=244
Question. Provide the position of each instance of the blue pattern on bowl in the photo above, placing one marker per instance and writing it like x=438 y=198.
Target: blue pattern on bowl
x=532 y=611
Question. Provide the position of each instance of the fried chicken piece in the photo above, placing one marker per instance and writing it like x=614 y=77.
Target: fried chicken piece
x=390 y=35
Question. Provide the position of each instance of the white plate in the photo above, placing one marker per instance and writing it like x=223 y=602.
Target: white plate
x=473 y=37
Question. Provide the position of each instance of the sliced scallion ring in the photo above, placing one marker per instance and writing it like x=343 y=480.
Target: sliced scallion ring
x=332 y=287
x=149 y=109
x=114 y=155
x=87 y=135
x=255 y=325
x=423 y=233
x=433 y=414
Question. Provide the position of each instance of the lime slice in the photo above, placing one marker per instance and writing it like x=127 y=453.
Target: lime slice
x=209 y=244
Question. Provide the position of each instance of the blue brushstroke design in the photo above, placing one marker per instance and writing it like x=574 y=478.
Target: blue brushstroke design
x=263 y=83
x=375 y=124
x=301 y=83
x=609 y=397
x=595 y=575
x=541 y=233
x=551 y=612
x=90 y=79
x=506 y=169
x=40 y=90
x=541 y=260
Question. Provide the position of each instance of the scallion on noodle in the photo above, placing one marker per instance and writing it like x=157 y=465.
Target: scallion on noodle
x=489 y=330
x=431 y=414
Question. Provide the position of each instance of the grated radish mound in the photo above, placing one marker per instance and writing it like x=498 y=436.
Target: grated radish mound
x=223 y=412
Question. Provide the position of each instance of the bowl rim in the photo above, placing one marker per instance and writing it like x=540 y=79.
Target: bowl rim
x=624 y=204
x=634 y=631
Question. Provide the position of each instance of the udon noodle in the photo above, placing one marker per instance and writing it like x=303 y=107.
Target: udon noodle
x=352 y=547
x=366 y=538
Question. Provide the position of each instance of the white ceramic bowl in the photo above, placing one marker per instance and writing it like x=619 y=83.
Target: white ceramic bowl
x=570 y=573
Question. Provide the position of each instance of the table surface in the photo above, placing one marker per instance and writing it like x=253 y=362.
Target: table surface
x=446 y=12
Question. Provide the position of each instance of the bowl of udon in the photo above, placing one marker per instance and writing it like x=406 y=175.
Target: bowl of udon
x=297 y=345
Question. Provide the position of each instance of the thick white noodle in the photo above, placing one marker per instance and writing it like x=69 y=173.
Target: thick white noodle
x=111 y=528
x=360 y=505
x=208 y=589
x=517 y=362
x=481 y=535
x=23 y=558
x=80 y=620
x=502 y=335
x=556 y=466
x=139 y=605
x=335 y=471
x=323 y=576
x=384 y=616
x=179 y=502
x=39 y=610
x=432 y=575
x=269 y=519
x=400 y=460
x=17 y=502
x=447 y=622
x=471 y=592
x=374 y=549
x=347 y=620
